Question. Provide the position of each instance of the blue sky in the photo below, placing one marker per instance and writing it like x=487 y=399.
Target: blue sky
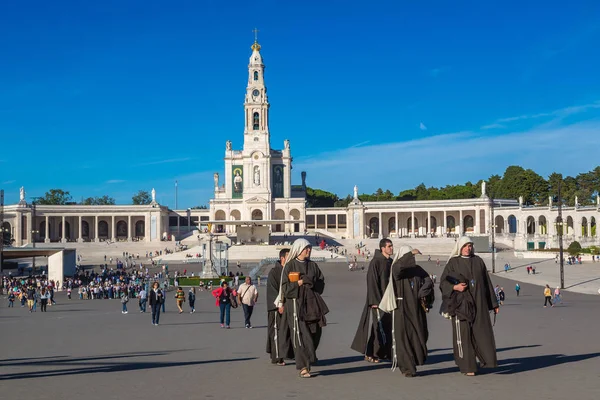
x=116 y=96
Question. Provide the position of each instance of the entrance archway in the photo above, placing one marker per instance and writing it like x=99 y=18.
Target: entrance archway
x=85 y=229
x=570 y=225
x=6 y=233
x=543 y=225
x=103 y=230
x=432 y=225
x=512 y=224
x=257 y=215
x=122 y=229
x=374 y=227
x=499 y=222
x=295 y=215
x=584 y=227
x=468 y=223
x=392 y=225
x=450 y=224
x=140 y=229
x=593 y=226
x=410 y=227
x=530 y=225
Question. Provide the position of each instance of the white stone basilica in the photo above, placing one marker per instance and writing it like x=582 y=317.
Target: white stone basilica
x=256 y=199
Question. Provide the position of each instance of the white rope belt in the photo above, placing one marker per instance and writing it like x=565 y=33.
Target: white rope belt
x=458 y=337
x=275 y=337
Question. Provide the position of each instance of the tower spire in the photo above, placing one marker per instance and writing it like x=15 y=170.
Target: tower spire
x=255 y=46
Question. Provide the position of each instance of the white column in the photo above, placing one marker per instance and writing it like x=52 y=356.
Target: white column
x=444 y=225
x=47 y=234
x=337 y=216
x=412 y=223
x=460 y=222
x=397 y=226
x=80 y=237
x=113 y=229
x=428 y=222
x=96 y=239
x=63 y=230
x=380 y=226
x=477 y=230
x=29 y=228
x=129 y=227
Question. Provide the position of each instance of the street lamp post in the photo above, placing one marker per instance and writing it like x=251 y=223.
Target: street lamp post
x=560 y=240
x=493 y=226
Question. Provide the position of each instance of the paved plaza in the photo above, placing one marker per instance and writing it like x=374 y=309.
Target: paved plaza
x=88 y=349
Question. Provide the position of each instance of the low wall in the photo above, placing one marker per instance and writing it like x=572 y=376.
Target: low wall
x=536 y=254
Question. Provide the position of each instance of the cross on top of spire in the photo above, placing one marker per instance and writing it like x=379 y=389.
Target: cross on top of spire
x=255 y=46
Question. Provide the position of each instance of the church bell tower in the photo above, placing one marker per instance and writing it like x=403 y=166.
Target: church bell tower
x=256 y=105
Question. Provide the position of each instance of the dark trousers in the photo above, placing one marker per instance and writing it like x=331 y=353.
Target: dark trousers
x=225 y=313
x=155 y=313
x=44 y=304
x=192 y=302
x=247 y=314
x=547 y=300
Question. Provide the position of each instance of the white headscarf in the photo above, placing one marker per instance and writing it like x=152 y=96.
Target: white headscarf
x=402 y=251
x=459 y=245
x=297 y=248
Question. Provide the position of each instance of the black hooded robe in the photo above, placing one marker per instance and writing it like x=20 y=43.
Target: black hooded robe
x=275 y=328
x=304 y=311
x=369 y=338
x=472 y=341
x=411 y=284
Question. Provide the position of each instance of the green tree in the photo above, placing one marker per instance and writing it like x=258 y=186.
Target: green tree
x=54 y=197
x=141 y=198
x=320 y=198
x=343 y=202
x=574 y=248
x=99 y=201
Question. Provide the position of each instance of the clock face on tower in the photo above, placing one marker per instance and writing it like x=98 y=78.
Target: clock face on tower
x=255 y=93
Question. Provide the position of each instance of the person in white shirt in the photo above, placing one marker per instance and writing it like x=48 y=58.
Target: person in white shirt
x=247 y=296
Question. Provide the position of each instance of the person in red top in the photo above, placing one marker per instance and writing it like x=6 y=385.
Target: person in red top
x=225 y=296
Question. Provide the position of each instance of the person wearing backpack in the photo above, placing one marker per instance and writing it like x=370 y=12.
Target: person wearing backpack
x=124 y=301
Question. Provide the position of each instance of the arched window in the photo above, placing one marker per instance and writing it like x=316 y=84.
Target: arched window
x=256 y=119
x=255 y=75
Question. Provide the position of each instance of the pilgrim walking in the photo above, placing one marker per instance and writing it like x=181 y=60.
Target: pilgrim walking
x=302 y=284
x=373 y=336
x=414 y=291
x=468 y=296
x=277 y=333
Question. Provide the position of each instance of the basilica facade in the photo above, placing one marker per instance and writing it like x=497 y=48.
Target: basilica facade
x=254 y=198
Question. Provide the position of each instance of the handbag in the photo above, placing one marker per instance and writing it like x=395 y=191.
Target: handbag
x=233 y=300
x=388 y=301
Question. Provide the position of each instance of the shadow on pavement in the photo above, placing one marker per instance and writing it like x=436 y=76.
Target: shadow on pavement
x=95 y=367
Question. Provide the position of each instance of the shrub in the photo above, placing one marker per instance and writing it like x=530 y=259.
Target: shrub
x=574 y=248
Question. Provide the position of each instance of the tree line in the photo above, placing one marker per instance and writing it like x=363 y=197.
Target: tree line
x=62 y=197
x=516 y=181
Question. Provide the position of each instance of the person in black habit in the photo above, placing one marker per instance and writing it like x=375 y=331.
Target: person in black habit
x=277 y=333
x=373 y=336
x=414 y=291
x=302 y=284
x=468 y=296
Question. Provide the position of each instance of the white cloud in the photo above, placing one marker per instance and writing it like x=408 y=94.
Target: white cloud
x=560 y=113
x=115 y=181
x=166 y=161
x=492 y=126
x=422 y=126
x=8 y=182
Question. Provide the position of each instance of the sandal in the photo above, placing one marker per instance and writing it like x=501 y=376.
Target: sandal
x=469 y=373
x=304 y=373
x=371 y=359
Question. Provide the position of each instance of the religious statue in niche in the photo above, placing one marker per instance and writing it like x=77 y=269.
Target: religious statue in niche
x=256 y=175
x=228 y=145
x=278 y=181
x=238 y=182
